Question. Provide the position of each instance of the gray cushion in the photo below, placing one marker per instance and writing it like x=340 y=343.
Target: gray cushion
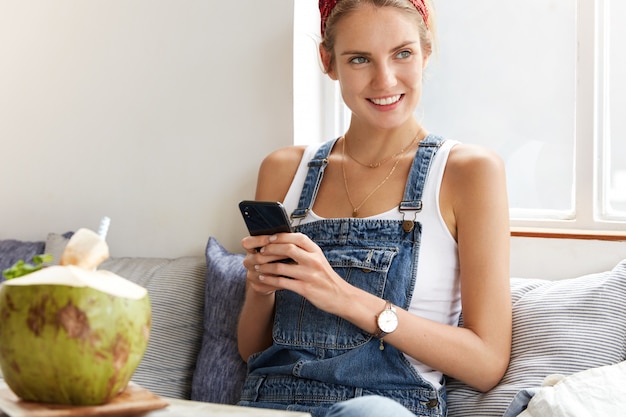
x=12 y=250
x=559 y=327
x=220 y=371
x=176 y=290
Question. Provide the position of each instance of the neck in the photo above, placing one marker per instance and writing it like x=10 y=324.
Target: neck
x=369 y=145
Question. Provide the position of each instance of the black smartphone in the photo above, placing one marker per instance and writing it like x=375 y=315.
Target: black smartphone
x=265 y=217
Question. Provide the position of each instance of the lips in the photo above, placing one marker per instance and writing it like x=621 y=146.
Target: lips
x=387 y=101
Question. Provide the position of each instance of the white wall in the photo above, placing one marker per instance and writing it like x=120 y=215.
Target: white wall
x=563 y=258
x=155 y=113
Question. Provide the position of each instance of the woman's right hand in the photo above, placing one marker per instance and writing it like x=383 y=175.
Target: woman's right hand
x=254 y=258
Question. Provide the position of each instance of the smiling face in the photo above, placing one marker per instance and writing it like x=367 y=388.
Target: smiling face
x=378 y=60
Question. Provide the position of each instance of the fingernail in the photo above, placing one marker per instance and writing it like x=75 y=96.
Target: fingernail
x=261 y=278
x=273 y=238
x=257 y=267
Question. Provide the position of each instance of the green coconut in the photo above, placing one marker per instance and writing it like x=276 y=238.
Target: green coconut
x=69 y=335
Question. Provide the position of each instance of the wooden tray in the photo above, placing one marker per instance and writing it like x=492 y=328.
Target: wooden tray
x=133 y=400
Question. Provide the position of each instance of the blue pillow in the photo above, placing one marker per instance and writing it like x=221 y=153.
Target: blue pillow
x=220 y=371
x=12 y=250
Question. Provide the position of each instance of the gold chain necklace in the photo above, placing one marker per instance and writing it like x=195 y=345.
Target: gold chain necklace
x=355 y=209
x=382 y=161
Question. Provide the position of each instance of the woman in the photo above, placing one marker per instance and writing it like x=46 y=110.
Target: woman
x=396 y=230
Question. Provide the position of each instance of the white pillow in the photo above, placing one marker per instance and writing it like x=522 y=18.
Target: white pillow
x=559 y=327
x=597 y=392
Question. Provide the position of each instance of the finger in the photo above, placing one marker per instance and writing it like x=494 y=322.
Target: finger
x=259 y=282
x=252 y=243
x=261 y=288
x=249 y=261
x=270 y=271
x=299 y=240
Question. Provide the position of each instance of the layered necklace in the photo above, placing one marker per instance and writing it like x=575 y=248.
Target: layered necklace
x=355 y=208
x=382 y=161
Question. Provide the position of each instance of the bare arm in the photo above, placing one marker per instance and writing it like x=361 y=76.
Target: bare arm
x=475 y=206
x=254 y=332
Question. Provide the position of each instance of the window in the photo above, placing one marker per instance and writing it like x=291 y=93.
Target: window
x=613 y=57
x=540 y=82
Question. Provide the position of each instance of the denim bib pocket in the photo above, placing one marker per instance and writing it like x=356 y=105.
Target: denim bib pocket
x=299 y=323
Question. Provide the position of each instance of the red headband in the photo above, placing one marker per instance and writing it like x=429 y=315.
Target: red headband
x=327 y=6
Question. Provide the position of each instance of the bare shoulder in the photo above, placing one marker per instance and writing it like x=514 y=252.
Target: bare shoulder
x=277 y=171
x=471 y=166
x=473 y=191
x=467 y=157
x=289 y=154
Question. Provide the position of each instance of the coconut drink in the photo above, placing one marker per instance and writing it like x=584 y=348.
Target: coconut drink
x=72 y=334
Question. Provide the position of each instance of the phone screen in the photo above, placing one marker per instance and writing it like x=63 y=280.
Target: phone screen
x=265 y=217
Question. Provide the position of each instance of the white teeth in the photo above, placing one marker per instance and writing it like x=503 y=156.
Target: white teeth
x=386 y=101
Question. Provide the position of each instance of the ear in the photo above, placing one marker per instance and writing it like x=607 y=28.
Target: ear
x=326 y=63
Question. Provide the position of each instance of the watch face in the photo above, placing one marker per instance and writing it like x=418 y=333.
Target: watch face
x=387 y=321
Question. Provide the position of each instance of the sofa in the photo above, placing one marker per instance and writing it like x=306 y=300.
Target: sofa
x=569 y=333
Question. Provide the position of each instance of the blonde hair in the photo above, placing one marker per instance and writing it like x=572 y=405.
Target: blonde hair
x=345 y=7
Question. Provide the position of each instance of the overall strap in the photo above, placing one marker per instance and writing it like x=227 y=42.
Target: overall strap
x=313 y=179
x=411 y=203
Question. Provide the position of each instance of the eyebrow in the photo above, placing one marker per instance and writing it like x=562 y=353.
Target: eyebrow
x=357 y=52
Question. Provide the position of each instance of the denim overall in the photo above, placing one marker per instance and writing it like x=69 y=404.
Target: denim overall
x=317 y=358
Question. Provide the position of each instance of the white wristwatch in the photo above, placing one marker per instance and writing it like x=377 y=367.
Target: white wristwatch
x=387 y=321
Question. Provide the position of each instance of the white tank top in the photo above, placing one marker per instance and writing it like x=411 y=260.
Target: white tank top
x=437 y=294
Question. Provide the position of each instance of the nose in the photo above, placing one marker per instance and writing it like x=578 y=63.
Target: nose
x=384 y=77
